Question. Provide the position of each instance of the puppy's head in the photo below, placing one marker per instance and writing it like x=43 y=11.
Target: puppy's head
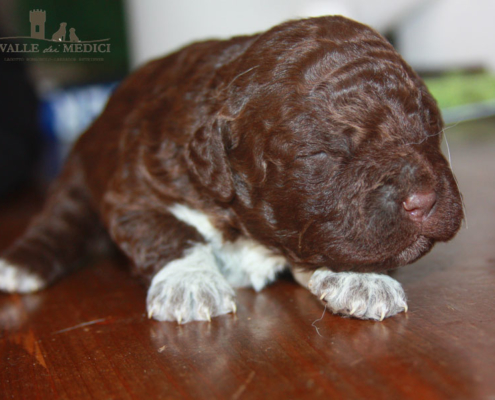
x=332 y=149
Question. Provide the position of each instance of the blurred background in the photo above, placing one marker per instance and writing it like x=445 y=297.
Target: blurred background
x=51 y=91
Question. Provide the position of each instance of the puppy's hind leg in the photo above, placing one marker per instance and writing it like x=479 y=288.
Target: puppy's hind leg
x=55 y=240
x=185 y=283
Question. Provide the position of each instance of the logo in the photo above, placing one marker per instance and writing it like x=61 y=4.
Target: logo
x=63 y=41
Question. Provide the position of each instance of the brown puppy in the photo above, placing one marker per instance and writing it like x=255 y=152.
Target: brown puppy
x=312 y=145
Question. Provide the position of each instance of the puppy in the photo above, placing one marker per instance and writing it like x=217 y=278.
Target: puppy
x=312 y=146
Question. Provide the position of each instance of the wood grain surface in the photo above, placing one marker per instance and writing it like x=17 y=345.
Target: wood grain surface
x=88 y=336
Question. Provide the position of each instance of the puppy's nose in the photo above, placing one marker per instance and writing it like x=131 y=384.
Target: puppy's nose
x=419 y=205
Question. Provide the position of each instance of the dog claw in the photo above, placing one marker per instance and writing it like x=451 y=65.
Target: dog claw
x=234 y=308
x=353 y=310
x=405 y=308
x=208 y=317
x=382 y=316
x=150 y=313
x=322 y=296
x=179 y=319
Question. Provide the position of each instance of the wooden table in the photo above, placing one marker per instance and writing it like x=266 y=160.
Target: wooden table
x=88 y=337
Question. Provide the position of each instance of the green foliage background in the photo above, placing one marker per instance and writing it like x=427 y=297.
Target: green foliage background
x=460 y=88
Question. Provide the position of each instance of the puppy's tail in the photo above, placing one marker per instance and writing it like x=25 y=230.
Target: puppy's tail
x=56 y=239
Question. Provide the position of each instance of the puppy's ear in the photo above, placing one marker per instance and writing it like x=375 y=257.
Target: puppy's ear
x=207 y=160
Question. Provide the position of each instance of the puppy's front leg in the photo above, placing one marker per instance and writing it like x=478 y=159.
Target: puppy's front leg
x=361 y=295
x=190 y=288
x=185 y=282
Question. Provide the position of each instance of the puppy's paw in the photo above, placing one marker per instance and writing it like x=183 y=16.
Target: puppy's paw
x=361 y=295
x=14 y=279
x=190 y=289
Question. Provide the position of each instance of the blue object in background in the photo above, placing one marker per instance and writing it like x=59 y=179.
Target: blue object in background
x=65 y=114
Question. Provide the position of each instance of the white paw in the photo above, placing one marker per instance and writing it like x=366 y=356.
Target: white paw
x=190 y=289
x=16 y=280
x=361 y=295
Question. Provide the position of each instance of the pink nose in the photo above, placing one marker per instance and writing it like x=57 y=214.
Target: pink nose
x=419 y=205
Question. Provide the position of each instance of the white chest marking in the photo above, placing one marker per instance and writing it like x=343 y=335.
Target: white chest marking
x=243 y=262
